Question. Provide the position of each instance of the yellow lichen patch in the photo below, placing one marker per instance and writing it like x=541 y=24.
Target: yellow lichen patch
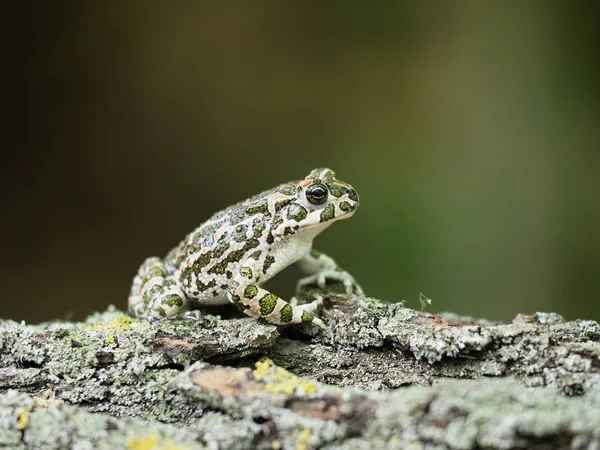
x=22 y=419
x=262 y=368
x=303 y=439
x=153 y=442
x=170 y=445
x=278 y=380
x=118 y=324
x=110 y=341
x=148 y=443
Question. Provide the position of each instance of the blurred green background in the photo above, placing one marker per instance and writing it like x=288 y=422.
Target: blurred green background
x=470 y=130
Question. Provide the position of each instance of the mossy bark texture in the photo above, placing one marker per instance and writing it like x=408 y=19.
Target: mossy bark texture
x=381 y=377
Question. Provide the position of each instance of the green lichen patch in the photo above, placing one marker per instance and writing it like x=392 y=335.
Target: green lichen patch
x=114 y=321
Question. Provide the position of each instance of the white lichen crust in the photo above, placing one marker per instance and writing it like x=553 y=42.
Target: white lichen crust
x=384 y=376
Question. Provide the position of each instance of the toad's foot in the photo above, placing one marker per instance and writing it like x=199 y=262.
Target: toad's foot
x=321 y=269
x=155 y=293
x=325 y=277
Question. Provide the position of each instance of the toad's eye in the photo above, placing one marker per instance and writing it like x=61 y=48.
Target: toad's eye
x=317 y=193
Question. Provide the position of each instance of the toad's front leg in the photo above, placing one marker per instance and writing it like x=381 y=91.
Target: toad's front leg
x=259 y=303
x=319 y=269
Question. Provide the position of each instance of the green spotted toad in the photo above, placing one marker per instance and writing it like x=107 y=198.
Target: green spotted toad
x=229 y=257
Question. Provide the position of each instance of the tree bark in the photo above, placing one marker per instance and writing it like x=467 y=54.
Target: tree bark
x=381 y=376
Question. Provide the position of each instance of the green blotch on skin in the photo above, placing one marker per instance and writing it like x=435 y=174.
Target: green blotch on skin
x=203 y=260
x=186 y=274
x=236 y=216
x=307 y=317
x=297 y=212
x=246 y=272
x=255 y=255
x=269 y=260
x=151 y=294
x=314 y=174
x=251 y=243
x=235 y=256
x=250 y=291
x=267 y=304
x=204 y=286
x=154 y=272
x=277 y=220
x=286 y=314
x=240 y=233
x=329 y=175
x=279 y=205
x=352 y=195
x=169 y=283
x=335 y=189
x=287 y=189
x=220 y=250
x=261 y=208
x=219 y=268
x=345 y=206
x=238 y=302
x=258 y=226
x=173 y=300
x=328 y=213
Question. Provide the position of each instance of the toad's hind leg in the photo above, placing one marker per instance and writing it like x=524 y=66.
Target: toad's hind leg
x=155 y=294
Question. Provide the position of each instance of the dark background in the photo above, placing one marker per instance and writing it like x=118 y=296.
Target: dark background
x=470 y=130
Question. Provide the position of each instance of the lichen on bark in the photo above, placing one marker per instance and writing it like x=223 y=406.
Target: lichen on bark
x=382 y=376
